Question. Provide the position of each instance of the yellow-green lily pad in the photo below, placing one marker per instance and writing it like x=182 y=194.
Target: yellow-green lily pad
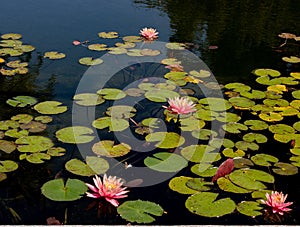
x=176 y=46
x=75 y=134
x=226 y=185
x=113 y=124
x=108 y=148
x=165 y=140
x=234 y=127
x=50 y=107
x=33 y=144
x=108 y=35
x=7 y=146
x=121 y=111
x=200 y=153
x=244 y=145
x=111 y=93
x=21 y=101
x=250 y=208
x=88 y=99
x=54 y=55
x=282 y=168
x=264 y=159
x=11 y=36
x=97 y=47
x=291 y=59
x=255 y=137
x=215 y=104
x=178 y=184
x=281 y=129
x=256 y=125
x=266 y=72
x=160 y=95
x=8 y=166
x=90 y=61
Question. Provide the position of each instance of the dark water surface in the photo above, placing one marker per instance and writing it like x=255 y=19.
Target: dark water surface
x=244 y=32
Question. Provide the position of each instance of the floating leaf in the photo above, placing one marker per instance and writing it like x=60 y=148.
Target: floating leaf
x=8 y=72
x=234 y=127
x=201 y=74
x=134 y=92
x=204 y=134
x=78 y=167
x=56 y=151
x=50 y=107
x=160 y=95
x=227 y=186
x=206 y=115
x=242 y=163
x=205 y=204
x=11 y=36
x=256 y=125
x=121 y=111
x=139 y=211
x=108 y=149
x=241 y=102
x=244 y=145
x=97 y=47
x=111 y=93
x=114 y=124
x=200 y=153
x=230 y=153
x=265 y=80
x=252 y=137
x=249 y=208
x=276 y=102
x=238 y=87
x=125 y=45
x=291 y=59
x=7 y=146
x=199 y=184
x=54 y=55
x=117 y=50
x=97 y=164
x=90 y=61
x=282 y=168
x=21 y=101
x=228 y=117
x=33 y=144
x=8 y=166
x=37 y=158
x=165 y=140
x=296 y=94
x=175 y=46
x=88 y=99
x=254 y=94
x=43 y=119
x=191 y=123
x=295 y=75
x=5 y=125
x=165 y=162
x=266 y=72
x=215 y=104
x=10 y=51
x=132 y=39
x=108 y=35
x=34 y=126
x=264 y=159
x=75 y=134
x=178 y=184
x=204 y=172
x=281 y=129
x=58 y=190
x=270 y=117
x=22 y=118
x=149 y=52
x=170 y=61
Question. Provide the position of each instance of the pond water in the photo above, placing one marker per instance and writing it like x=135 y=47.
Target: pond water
x=231 y=37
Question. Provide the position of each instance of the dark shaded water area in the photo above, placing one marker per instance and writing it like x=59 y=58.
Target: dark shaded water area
x=245 y=37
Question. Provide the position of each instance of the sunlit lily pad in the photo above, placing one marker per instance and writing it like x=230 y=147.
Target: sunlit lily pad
x=134 y=52
x=15 y=133
x=284 y=138
x=25 y=48
x=201 y=74
x=204 y=134
x=33 y=126
x=75 y=134
x=266 y=72
x=50 y=107
x=256 y=125
x=241 y=102
x=231 y=153
x=134 y=92
x=111 y=93
x=295 y=75
x=171 y=61
x=272 y=95
x=5 y=125
x=178 y=184
x=234 y=127
x=204 y=172
x=117 y=50
x=270 y=117
x=21 y=101
x=206 y=204
x=113 y=124
x=90 y=61
x=289 y=81
x=54 y=55
x=250 y=208
x=16 y=64
x=278 y=88
x=238 y=87
x=264 y=159
x=58 y=190
x=37 y=158
x=175 y=46
x=44 y=119
x=215 y=104
x=255 y=137
x=276 y=102
x=97 y=47
x=199 y=184
x=160 y=95
x=296 y=94
x=281 y=129
x=165 y=162
x=254 y=94
x=149 y=52
x=200 y=153
x=108 y=35
x=8 y=166
x=10 y=43
x=10 y=51
x=165 y=140
x=22 y=118
x=206 y=115
x=243 y=145
x=191 y=123
x=8 y=72
x=125 y=45
x=282 y=168
x=140 y=211
x=227 y=186
x=7 y=146
x=132 y=39
x=78 y=167
x=228 y=117
x=56 y=151
x=265 y=80
x=88 y=99
x=121 y=111
x=11 y=36
x=33 y=144
x=291 y=59
x=109 y=149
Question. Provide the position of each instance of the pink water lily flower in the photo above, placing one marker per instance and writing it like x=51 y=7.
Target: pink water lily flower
x=149 y=33
x=180 y=105
x=110 y=189
x=276 y=201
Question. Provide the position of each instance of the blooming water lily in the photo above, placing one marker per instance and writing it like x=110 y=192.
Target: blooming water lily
x=180 y=105
x=276 y=201
x=149 y=33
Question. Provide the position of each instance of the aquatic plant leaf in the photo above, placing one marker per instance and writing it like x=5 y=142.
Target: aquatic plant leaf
x=230 y=153
x=117 y=50
x=75 y=134
x=264 y=159
x=8 y=72
x=25 y=48
x=175 y=46
x=170 y=61
x=251 y=179
x=295 y=75
x=254 y=94
x=200 y=153
x=58 y=190
x=205 y=204
x=291 y=59
x=134 y=92
x=272 y=95
x=16 y=64
x=7 y=124
x=10 y=43
x=228 y=117
x=109 y=149
x=218 y=142
x=8 y=166
x=44 y=119
x=139 y=211
x=165 y=162
x=88 y=99
x=244 y=145
x=242 y=163
x=191 y=123
x=54 y=55
x=255 y=137
x=296 y=94
x=113 y=124
x=281 y=129
x=241 y=102
x=238 y=87
x=284 y=138
x=7 y=146
x=160 y=95
x=178 y=184
x=295 y=160
x=266 y=72
x=287 y=111
x=289 y=81
x=126 y=45
x=206 y=115
x=33 y=126
x=270 y=117
x=22 y=118
x=111 y=93
x=234 y=127
x=33 y=144
x=152 y=122
x=277 y=88
x=199 y=184
x=78 y=167
x=37 y=158
x=50 y=107
x=175 y=76
x=10 y=51
x=108 y=35
x=256 y=125
x=97 y=164
x=15 y=133
x=249 y=208
x=149 y=52
x=97 y=47
x=3 y=176
x=208 y=171
x=226 y=185
x=296 y=126
x=56 y=151
x=21 y=101
x=90 y=61
x=204 y=134
x=265 y=80
x=134 y=52
x=121 y=111
x=282 y=168
x=132 y=39
x=215 y=104
x=11 y=36
x=201 y=74
x=276 y=102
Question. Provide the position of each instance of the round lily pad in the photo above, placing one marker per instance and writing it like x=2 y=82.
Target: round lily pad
x=160 y=95
x=149 y=52
x=254 y=94
x=113 y=124
x=11 y=36
x=88 y=99
x=215 y=104
x=36 y=158
x=228 y=117
x=249 y=208
x=242 y=163
x=54 y=55
x=282 y=168
x=140 y=211
x=255 y=137
x=266 y=72
x=238 y=87
x=111 y=93
x=165 y=162
x=199 y=184
x=244 y=145
x=209 y=171
x=56 y=151
x=200 y=153
x=44 y=119
x=121 y=111
x=21 y=101
x=231 y=153
x=90 y=61
x=133 y=39
x=191 y=123
x=7 y=146
x=296 y=94
x=22 y=118
x=33 y=126
x=117 y=50
x=8 y=166
x=281 y=129
x=175 y=46
x=33 y=144
x=97 y=47
x=227 y=186
x=206 y=204
x=264 y=159
x=58 y=190
x=165 y=140
x=108 y=149
x=5 y=125
x=206 y=115
x=201 y=74
x=270 y=117
x=178 y=184
x=50 y=107
x=256 y=125
x=108 y=35
x=291 y=59
x=75 y=134
x=241 y=102
x=234 y=127
x=277 y=88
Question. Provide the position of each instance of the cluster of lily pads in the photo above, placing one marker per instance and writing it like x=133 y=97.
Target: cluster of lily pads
x=248 y=115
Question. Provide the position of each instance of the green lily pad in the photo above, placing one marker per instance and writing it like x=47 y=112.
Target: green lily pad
x=171 y=61
x=88 y=99
x=134 y=92
x=178 y=184
x=199 y=184
x=90 y=61
x=17 y=64
x=261 y=194
x=108 y=35
x=111 y=93
x=291 y=59
x=296 y=126
x=284 y=138
x=237 y=87
x=287 y=111
x=3 y=177
x=22 y=118
x=256 y=125
x=44 y=119
x=198 y=169
x=5 y=125
x=200 y=153
x=37 y=158
x=204 y=134
x=113 y=124
x=11 y=36
x=272 y=95
x=10 y=51
x=7 y=146
x=97 y=164
x=78 y=167
x=160 y=95
x=205 y=204
x=227 y=186
x=281 y=129
x=54 y=55
x=255 y=137
x=126 y=45
x=278 y=88
x=254 y=94
x=295 y=160
x=33 y=144
x=289 y=81
x=215 y=104
x=270 y=117
x=218 y=142
x=206 y=115
x=244 y=145
x=231 y=153
x=191 y=123
x=276 y=102
x=249 y=208
x=165 y=162
x=121 y=111
x=97 y=47
x=75 y=134
x=117 y=50
x=58 y=190
x=139 y=211
x=8 y=166
x=266 y=72
x=21 y=101
x=296 y=94
x=25 y=48
x=8 y=72
x=149 y=52
x=241 y=102
x=177 y=77
x=201 y=74
x=165 y=140
x=234 y=127
x=10 y=43
x=228 y=117
x=152 y=122
x=108 y=149
x=242 y=163
x=295 y=75
x=264 y=159
x=282 y=168
x=132 y=39
x=56 y=151
x=175 y=46
x=50 y=107
x=265 y=80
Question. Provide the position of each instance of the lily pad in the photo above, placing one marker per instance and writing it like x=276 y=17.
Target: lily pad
x=121 y=111
x=11 y=36
x=234 y=127
x=50 y=107
x=291 y=59
x=5 y=125
x=265 y=80
x=201 y=74
x=88 y=99
x=282 y=168
x=117 y=50
x=276 y=102
x=209 y=171
x=113 y=124
x=264 y=159
x=90 y=61
x=8 y=166
x=281 y=129
x=54 y=55
x=22 y=118
x=254 y=94
x=78 y=167
x=160 y=95
x=266 y=72
x=56 y=151
x=33 y=144
x=111 y=93
x=7 y=146
x=75 y=134
x=175 y=46
x=241 y=102
x=206 y=115
x=36 y=158
x=244 y=145
x=21 y=101
x=215 y=104
x=270 y=117
x=227 y=186
x=165 y=162
x=249 y=208
x=97 y=47
x=199 y=184
x=165 y=140
x=149 y=52
x=108 y=149
x=200 y=153
x=205 y=204
x=33 y=126
x=140 y=211
x=237 y=87
x=255 y=137
x=231 y=153
x=132 y=39
x=191 y=123
x=58 y=190
x=228 y=117
x=178 y=184
x=242 y=163
x=296 y=94
x=108 y=35
x=44 y=119
x=204 y=134
x=256 y=125
x=278 y=88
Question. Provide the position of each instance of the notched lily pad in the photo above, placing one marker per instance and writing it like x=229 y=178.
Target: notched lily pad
x=165 y=140
x=178 y=184
x=54 y=55
x=113 y=124
x=50 y=107
x=282 y=168
x=109 y=149
x=111 y=93
x=88 y=99
x=250 y=208
x=33 y=144
x=264 y=159
x=90 y=61
x=75 y=134
x=108 y=35
x=8 y=166
x=21 y=101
